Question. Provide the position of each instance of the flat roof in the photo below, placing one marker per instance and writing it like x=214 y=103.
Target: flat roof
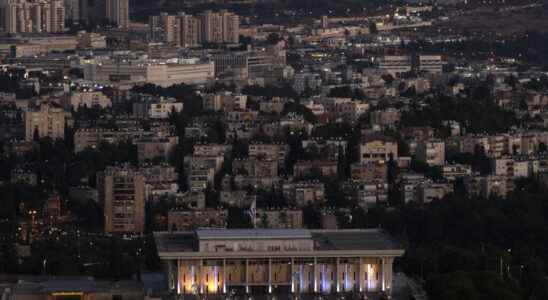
x=30 y=285
x=239 y=234
x=372 y=239
x=351 y=240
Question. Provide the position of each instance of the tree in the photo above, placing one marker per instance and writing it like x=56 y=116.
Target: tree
x=273 y=38
x=264 y=220
x=373 y=28
x=238 y=218
x=36 y=135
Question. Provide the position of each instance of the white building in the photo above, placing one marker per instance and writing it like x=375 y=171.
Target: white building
x=431 y=152
x=278 y=261
x=130 y=71
x=89 y=99
x=395 y=64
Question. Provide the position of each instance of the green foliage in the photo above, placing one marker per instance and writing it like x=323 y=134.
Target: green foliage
x=471 y=285
x=238 y=218
x=273 y=38
x=478 y=114
x=293 y=107
x=270 y=91
x=475 y=235
x=192 y=102
x=346 y=92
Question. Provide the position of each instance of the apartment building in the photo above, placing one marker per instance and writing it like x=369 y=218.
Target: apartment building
x=431 y=152
x=486 y=186
x=23 y=16
x=279 y=218
x=89 y=99
x=46 y=120
x=184 y=30
x=122 y=195
x=186 y=220
x=368 y=171
x=453 y=171
x=117 y=12
x=395 y=65
x=304 y=192
x=378 y=148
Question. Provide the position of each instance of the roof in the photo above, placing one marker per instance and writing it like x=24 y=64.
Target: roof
x=38 y=285
x=324 y=240
x=212 y=234
x=371 y=239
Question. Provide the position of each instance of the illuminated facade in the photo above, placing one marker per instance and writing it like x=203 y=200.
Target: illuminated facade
x=278 y=261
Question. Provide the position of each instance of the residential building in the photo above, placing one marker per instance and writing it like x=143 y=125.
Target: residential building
x=326 y=168
x=395 y=65
x=275 y=151
x=89 y=99
x=122 y=196
x=186 y=220
x=284 y=218
x=219 y=27
x=159 y=180
x=368 y=171
x=431 y=152
x=24 y=16
x=152 y=148
x=368 y=193
x=430 y=63
x=21 y=176
x=454 y=171
x=47 y=120
x=304 y=192
x=378 y=148
x=486 y=186
x=429 y=191
x=117 y=12
x=156 y=109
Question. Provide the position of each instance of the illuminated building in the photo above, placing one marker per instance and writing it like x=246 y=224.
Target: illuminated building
x=278 y=261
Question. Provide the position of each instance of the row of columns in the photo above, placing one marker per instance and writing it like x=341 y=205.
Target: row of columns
x=385 y=271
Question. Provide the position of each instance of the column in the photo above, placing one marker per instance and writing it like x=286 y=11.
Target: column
x=382 y=274
x=360 y=274
x=247 y=275
x=178 y=276
x=388 y=271
x=315 y=274
x=201 y=276
x=337 y=279
x=269 y=275
x=224 y=276
x=170 y=275
x=292 y=275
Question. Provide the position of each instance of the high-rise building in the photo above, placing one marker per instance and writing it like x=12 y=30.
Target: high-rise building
x=220 y=27
x=231 y=27
x=45 y=121
x=72 y=11
x=57 y=16
x=188 y=31
x=117 y=12
x=171 y=29
x=22 y=16
x=325 y=22
x=211 y=24
x=122 y=195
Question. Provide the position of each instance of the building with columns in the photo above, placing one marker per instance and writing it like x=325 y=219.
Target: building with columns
x=278 y=261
